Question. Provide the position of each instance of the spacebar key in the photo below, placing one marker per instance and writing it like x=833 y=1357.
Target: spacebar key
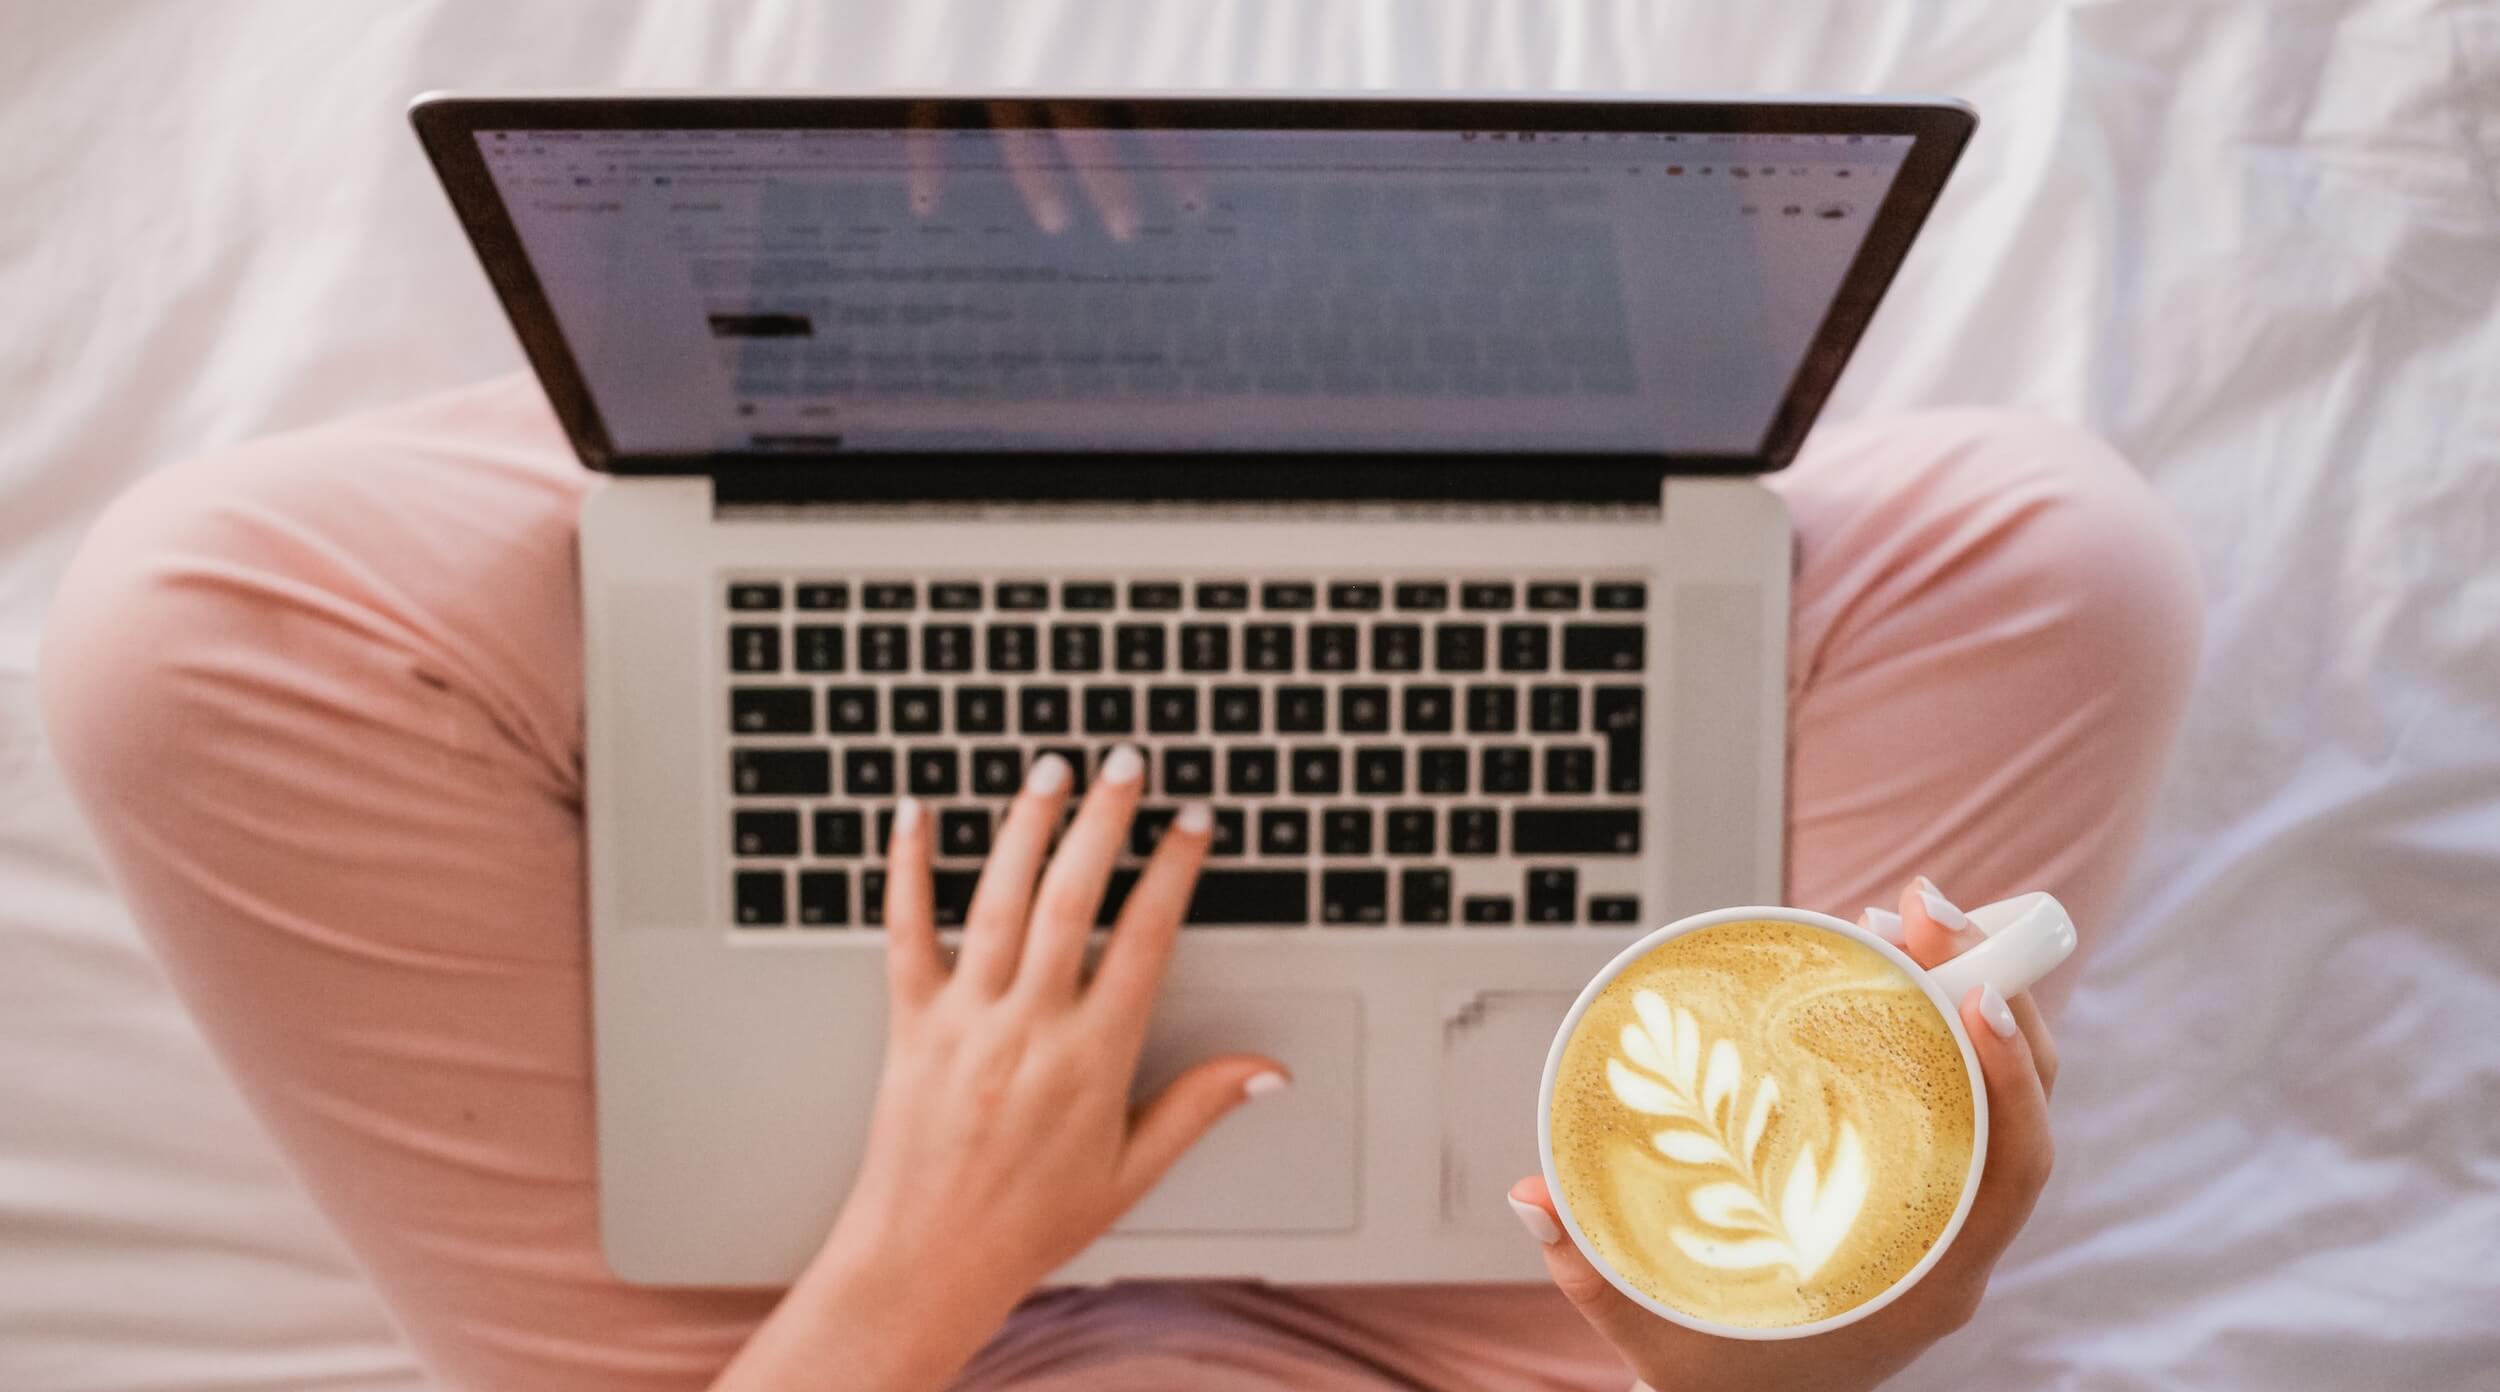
x=1575 y=831
x=1252 y=896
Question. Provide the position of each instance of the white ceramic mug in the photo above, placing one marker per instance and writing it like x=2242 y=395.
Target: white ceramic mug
x=2027 y=936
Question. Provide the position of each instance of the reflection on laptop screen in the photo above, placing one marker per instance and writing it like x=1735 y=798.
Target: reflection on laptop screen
x=778 y=290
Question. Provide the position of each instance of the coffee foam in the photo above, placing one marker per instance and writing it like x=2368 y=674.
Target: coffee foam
x=1762 y=1124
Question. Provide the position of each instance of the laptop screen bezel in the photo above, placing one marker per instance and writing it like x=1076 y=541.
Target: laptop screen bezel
x=447 y=125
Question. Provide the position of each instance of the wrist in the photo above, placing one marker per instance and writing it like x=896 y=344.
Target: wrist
x=871 y=1313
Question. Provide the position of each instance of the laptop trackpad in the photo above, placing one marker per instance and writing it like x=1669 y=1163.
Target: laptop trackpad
x=1286 y=1162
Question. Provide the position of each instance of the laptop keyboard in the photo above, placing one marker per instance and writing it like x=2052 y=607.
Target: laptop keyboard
x=1401 y=753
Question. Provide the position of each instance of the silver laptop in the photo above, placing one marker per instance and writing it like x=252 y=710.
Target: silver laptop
x=1381 y=466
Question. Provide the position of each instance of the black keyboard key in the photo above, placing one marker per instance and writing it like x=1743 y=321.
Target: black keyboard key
x=751 y=595
x=1172 y=710
x=934 y=772
x=1429 y=710
x=824 y=898
x=1527 y=647
x=1397 y=647
x=1042 y=710
x=1570 y=768
x=841 y=831
x=1138 y=647
x=1023 y=594
x=918 y=710
x=780 y=772
x=1614 y=908
x=997 y=770
x=1359 y=897
x=1490 y=908
x=950 y=895
x=1411 y=831
x=1380 y=768
x=1603 y=647
x=1554 y=594
x=946 y=648
x=1073 y=755
x=765 y=831
x=964 y=831
x=872 y=898
x=851 y=710
x=1507 y=769
x=884 y=648
x=1361 y=595
x=1286 y=594
x=817 y=648
x=754 y=648
x=1147 y=828
x=1076 y=647
x=1553 y=894
x=1554 y=710
x=824 y=595
x=1488 y=594
x=868 y=772
x=1423 y=897
x=954 y=594
x=1335 y=647
x=1575 y=831
x=772 y=710
x=1363 y=710
x=1223 y=594
x=1236 y=709
x=1228 y=837
x=1110 y=710
x=1189 y=771
x=1263 y=897
x=1492 y=710
x=1441 y=769
x=1423 y=595
x=1301 y=710
x=1458 y=647
x=1475 y=831
x=1013 y=647
x=1346 y=831
x=1087 y=595
x=1318 y=769
x=1249 y=772
x=1154 y=594
x=1115 y=892
x=1206 y=648
x=1284 y=831
x=1615 y=711
x=885 y=831
x=889 y=595
x=980 y=710
x=1627 y=595
x=1267 y=647
x=763 y=898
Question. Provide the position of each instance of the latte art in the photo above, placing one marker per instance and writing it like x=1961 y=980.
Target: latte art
x=1762 y=1123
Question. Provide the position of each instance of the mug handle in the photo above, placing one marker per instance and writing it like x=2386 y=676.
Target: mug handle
x=2028 y=935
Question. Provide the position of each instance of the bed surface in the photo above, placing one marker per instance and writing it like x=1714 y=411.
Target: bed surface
x=2256 y=245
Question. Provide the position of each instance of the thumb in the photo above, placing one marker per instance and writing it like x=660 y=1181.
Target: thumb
x=1188 y=1107
x=1609 y=1311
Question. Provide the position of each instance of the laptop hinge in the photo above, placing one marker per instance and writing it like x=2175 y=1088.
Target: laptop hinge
x=1293 y=479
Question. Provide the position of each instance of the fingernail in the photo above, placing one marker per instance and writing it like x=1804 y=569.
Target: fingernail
x=1195 y=818
x=1539 y=1223
x=1940 y=908
x=1883 y=923
x=906 y=815
x=1048 y=775
x=1261 y=1084
x=1124 y=765
x=1996 y=1012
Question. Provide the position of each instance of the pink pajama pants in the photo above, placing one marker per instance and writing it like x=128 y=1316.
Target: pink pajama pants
x=320 y=697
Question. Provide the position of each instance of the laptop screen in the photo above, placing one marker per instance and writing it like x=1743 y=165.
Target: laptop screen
x=802 y=291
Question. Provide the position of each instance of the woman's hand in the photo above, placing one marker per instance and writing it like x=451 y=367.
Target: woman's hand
x=1002 y=1142
x=2019 y=1060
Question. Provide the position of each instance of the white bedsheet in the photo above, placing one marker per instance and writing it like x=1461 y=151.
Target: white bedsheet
x=2256 y=244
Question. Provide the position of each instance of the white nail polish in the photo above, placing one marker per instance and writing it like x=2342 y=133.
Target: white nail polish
x=1048 y=775
x=1261 y=1084
x=1883 y=923
x=1195 y=818
x=1996 y=1012
x=1124 y=766
x=906 y=816
x=1940 y=908
x=1537 y=1221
